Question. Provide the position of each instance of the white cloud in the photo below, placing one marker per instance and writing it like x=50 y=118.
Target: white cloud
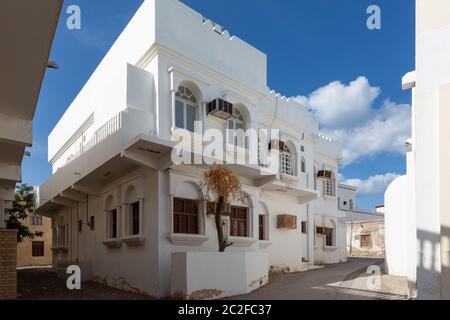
x=373 y=185
x=337 y=105
x=346 y=113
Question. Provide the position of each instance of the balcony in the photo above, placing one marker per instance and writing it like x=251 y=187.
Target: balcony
x=100 y=159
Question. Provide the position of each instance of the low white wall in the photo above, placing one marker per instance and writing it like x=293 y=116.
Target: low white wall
x=396 y=227
x=212 y=275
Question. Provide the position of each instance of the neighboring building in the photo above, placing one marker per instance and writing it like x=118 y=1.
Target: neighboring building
x=365 y=229
x=418 y=204
x=20 y=83
x=27 y=29
x=119 y=204
x=37 y=251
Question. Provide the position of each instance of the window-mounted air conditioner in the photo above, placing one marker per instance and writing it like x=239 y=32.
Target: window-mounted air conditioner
x=277 y=145
x=286 y=221
x=324 y=174
x=220 y=108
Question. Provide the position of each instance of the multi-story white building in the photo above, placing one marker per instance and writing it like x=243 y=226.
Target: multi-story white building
x=121 y=206
x=418 y=204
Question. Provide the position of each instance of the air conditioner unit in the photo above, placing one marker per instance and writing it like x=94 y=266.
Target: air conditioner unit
x=286 y=221
x=220 y=108
x=277 y=145
x=324 y=174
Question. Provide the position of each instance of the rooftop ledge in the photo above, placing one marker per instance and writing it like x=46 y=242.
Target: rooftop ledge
x=409 y=80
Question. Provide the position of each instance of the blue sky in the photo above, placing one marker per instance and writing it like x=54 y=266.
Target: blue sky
x=309 y=43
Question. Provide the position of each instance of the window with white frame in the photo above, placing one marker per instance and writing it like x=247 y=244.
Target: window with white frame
x=286 y=160
x=329 y=186
x=132 y=212
x=185 y=109
x=112 y=223
x=236 y=129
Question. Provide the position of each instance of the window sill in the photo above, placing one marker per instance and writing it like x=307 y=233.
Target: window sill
x=241 y=241
x=328 y=197
x=288 y=177
x=113 y=243
x=264 y=244
x=134 y=240
x=188 y=239
x=329 y=248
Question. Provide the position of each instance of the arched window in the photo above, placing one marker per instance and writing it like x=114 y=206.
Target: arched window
x=329 y=186
x=236 y=128
x=133 y=211
x=185 y=109
x=286 y=158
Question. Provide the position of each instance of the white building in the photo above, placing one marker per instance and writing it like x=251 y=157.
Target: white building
x=365 y=229
x=418 y=204
x=119 y=204
x=21 y=77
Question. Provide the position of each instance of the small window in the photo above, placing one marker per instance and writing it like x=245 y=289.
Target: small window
x=262 y=228
x=80 y=226
x=286 y=160
x=185 y=109
x=239 y=222
x=92 y=223
x=135 y=218
x=329 y=186
x=112 y=222
x=328 y=237
x=185 y=216
x=304 y=227
x=328 y=233
x=37 y=249
x=35 y=220
x=366 y=241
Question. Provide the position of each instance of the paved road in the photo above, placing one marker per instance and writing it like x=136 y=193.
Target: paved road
x=343 y=281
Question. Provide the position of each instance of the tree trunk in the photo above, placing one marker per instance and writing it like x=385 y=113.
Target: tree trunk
x=218 y=218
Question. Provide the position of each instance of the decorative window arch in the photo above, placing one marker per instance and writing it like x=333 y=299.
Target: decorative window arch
x=185 y=109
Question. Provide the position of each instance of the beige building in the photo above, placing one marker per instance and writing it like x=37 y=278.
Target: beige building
x=365 y=229
x=37 y=251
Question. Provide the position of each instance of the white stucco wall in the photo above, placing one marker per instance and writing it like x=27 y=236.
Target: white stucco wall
x=136 y=80
x=213 y=275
